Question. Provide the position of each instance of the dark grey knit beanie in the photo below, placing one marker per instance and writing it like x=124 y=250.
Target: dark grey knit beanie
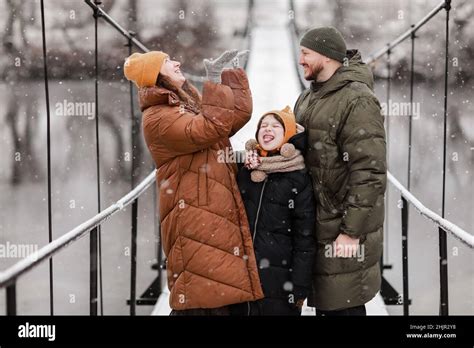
x=327 y=41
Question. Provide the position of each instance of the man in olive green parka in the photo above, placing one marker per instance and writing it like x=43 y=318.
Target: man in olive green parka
x=347 y=161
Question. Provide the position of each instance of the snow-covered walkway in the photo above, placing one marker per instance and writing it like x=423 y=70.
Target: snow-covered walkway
x=272 y=77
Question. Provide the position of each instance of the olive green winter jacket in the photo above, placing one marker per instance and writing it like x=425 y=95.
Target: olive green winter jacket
x=347 y=161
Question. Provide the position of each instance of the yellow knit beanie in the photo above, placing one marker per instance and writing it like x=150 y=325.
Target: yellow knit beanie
x=143 y=68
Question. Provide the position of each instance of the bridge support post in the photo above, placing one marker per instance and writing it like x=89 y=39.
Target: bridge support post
x=95 y=242
x=48 y=146
x=385 y=254
x=406 y=300
x=443 y=248
x=11 y=299
x=133 y=260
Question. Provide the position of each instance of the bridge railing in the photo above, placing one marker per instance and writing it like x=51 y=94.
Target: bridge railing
x=9 y=277
x=407 y=198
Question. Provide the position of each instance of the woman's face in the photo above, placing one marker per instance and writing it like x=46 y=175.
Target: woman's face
x=170 y=69
x=271 y=133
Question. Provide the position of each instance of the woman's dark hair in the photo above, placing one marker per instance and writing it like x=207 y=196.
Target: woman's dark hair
x=187 y=94
x=278 y=118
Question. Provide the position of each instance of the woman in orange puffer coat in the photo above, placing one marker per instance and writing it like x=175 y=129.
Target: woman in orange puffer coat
x=204 y=229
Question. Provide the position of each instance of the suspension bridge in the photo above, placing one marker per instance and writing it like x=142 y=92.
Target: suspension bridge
x=258 y=36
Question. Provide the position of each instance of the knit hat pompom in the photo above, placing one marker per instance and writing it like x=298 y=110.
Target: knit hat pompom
x=287 y=150
x=258 y=176
x=251 y=144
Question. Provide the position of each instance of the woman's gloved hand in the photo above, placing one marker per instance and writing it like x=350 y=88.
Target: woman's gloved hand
x=239 y=60
x=214 y=67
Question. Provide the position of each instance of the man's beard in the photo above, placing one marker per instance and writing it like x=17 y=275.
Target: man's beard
x=315 y=71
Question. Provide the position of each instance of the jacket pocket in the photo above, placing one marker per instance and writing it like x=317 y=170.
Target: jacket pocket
x=323 y=197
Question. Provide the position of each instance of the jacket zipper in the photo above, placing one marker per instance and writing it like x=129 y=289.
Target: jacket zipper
x=258 y=211
x=255 y=225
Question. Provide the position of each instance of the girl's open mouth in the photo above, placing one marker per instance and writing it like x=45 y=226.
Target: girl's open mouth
x=268 y=138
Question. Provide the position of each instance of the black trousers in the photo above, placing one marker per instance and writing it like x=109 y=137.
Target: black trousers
x=265 y=307
x=202 y=312
x=353 y=311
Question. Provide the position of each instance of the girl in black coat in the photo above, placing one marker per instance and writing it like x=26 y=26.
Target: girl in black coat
x=278 y=197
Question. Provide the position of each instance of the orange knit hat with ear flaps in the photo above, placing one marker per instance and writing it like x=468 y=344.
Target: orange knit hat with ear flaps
x=143 y=68
x=289 y=123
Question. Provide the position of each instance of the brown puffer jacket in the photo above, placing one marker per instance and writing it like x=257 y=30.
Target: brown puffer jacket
x=204 y=228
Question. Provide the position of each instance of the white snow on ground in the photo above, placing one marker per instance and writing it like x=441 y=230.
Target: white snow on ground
x=274 y=84
x=162 y=306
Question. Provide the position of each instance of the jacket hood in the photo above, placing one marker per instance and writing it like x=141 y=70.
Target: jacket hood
x=299 y=139
x=356 y=71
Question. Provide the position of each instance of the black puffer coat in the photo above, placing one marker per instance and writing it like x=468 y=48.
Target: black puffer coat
x=281 y=213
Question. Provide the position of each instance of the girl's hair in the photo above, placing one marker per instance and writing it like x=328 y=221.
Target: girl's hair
x=278 y=118
x=187 y=94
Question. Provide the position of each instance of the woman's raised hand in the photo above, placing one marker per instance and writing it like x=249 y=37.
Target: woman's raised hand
x=214 y=67
x=240 y=59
